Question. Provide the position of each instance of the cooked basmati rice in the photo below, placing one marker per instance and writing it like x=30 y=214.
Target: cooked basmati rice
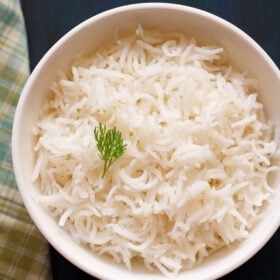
x=194 y=176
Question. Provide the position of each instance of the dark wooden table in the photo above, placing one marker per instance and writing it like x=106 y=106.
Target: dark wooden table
x=48 y=20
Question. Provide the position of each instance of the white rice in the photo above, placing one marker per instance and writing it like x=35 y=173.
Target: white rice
x=194 y=176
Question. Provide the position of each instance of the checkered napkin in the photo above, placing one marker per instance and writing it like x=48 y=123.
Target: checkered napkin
x=23 y=250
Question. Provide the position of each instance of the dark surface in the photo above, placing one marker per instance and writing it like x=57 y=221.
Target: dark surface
x=48 y=20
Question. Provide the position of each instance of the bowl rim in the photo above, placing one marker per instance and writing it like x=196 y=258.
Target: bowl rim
x=19 y=109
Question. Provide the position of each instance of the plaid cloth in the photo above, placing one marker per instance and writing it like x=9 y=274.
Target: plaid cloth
x=23 y=250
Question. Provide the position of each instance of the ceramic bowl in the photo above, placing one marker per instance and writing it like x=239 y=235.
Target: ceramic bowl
x=244 y=53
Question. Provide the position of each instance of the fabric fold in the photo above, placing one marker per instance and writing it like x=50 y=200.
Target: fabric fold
x=23 y=250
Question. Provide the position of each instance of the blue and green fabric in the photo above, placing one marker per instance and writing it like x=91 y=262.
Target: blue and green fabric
x=23 y=250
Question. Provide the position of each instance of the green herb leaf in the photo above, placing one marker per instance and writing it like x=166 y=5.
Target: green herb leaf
x=110 y=145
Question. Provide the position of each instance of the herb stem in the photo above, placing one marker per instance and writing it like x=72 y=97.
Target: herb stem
x=110 y=145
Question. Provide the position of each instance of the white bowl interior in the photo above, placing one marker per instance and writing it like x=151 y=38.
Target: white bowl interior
x=243 y=52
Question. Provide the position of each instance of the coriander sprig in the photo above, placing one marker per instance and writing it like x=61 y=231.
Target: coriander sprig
x=110 y=145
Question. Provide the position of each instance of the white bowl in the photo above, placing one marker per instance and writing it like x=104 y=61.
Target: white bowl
x=243 y=53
